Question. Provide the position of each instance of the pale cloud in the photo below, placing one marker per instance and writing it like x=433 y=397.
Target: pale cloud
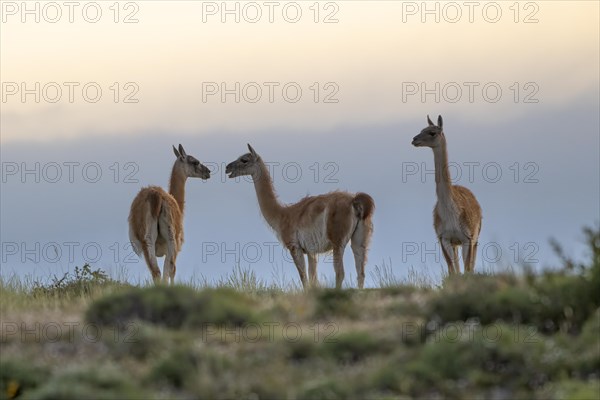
x=372 y=61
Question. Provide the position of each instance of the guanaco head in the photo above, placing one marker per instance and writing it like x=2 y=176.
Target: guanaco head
x=246 y=164
x=431 y=136
x=190 y=165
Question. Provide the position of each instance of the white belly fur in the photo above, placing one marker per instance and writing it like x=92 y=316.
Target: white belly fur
x=450 y=228
x=313 y=238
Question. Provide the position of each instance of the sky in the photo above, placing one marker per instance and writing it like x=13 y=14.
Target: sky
x=330 y=95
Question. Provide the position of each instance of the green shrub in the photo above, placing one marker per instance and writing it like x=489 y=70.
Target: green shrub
x=353 y=347
x=399 y=290
x=176 y=368
x=576 y=390
x=585 y=362
x=223 y=306
x=327 y=389
x=173 y=307
x=554 y=301
x=103 y=382
x=301 y=350
x=335 y=303
x=82 y=282
x=466 y=357
x=565 y=302
x=462 y=298
x=18 y=377
x=195 y=372
x=137 y=340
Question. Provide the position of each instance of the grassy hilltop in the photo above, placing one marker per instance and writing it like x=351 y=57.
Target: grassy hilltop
x=476 y=336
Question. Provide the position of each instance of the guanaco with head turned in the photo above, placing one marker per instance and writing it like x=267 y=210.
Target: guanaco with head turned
x=315 y=224
x=156 y=217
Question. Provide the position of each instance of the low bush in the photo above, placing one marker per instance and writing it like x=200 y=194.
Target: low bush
x=353 y=347
x=102 y=382
x=335 y=303
x=82 y=282
x=191 y=371
x=173 y=307
x=18 y=377
x=561 y=300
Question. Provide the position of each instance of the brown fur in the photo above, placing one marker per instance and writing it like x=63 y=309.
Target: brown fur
x=348 y=218
x=156 y=201
x=364 y=205
x=454 y=203
x=156 y=217
x=469 y=211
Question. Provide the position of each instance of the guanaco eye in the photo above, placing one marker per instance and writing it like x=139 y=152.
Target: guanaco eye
x=432 y=133
x=244 y=160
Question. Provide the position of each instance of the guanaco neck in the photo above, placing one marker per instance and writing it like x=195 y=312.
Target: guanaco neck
x=177 y=185
x=265 y=193
x=443 y=185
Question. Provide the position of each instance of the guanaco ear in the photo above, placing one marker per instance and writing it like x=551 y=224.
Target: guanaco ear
x=440 y=122
x=429 y=121
x=176 y=152
x=252 y=150
x=182 y=151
